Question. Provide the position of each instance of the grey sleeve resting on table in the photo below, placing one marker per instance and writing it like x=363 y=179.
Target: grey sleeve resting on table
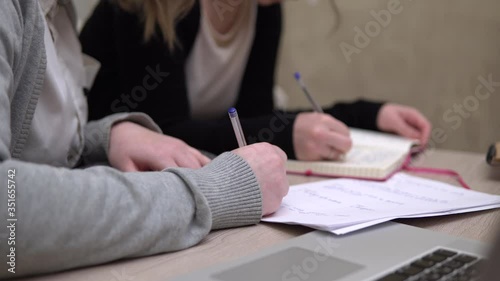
x=73 y=218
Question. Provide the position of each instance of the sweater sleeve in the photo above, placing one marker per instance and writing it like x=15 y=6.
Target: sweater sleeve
x=360 y=114
x=66 y=219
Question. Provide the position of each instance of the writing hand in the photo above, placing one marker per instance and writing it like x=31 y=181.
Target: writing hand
x=268 y=163
x=318 y=136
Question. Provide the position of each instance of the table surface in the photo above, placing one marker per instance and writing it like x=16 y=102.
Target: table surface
x=225 y=245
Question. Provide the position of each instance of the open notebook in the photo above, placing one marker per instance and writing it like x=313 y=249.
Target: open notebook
x=374 y=156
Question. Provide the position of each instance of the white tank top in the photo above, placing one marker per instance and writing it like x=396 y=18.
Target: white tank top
x=216 y=65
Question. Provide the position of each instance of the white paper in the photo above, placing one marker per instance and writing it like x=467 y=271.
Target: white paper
x=355 y=227
x=345 y=205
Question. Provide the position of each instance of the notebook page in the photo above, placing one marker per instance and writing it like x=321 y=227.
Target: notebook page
x=376 y=139
x=369 y=156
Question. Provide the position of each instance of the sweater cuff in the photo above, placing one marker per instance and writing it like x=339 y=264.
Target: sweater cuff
x=371 y=109
x=361 y=114
x=97 y=135
x=231 y=190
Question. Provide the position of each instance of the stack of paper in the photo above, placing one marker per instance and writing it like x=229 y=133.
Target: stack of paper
x=345 y=205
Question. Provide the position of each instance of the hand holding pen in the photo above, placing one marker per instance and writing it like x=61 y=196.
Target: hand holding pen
x=318 y=136
x=268 y=164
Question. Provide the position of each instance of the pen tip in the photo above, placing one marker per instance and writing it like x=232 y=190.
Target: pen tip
x=297 y=75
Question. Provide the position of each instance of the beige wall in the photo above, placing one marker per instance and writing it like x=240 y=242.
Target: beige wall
x=430 y=56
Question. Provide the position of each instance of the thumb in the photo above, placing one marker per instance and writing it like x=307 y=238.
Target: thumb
x=129 y=166
x=162 y=164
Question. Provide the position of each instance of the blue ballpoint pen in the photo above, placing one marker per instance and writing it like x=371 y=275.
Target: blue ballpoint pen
x=314 y=104
x=238 y=131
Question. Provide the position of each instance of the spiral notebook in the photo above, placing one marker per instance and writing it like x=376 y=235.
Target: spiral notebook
x=374 y=156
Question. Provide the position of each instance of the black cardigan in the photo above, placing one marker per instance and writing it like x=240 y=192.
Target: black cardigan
x=146 y=77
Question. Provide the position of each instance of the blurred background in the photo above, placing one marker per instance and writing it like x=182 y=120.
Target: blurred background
x=442 y=57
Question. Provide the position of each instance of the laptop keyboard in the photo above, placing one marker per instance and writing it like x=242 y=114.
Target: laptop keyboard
x=442 y=265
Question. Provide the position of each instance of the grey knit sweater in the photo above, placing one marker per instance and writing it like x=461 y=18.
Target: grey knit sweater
x=54 y=219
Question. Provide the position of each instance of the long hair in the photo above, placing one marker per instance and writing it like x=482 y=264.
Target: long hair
x=163 y=14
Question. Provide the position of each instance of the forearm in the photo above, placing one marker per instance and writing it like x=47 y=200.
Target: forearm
x=99 y=215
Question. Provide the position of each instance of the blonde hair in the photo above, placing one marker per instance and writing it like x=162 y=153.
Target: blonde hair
x=159 y=13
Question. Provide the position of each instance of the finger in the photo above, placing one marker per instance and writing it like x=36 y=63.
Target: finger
x=336 y=126
x=286 y=187
x=325 y=139
x=162 y=163
x=282 y=180
x=425 y=133
x=129 y=166
x=339 y=142
x=188 y=160
x=281 y=153
x=417 y=120
x=202 y=159
x=321 y=142
x=327 y=148
x=401 y=127
x=332 y=154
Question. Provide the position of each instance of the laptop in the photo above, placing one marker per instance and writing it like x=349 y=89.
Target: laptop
x=387 y=252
